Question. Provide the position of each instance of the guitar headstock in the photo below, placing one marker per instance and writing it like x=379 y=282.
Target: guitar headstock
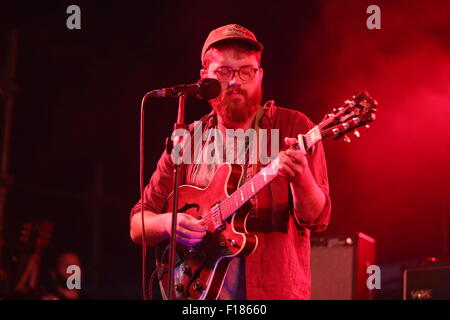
x=359 y=111
x=355 y=113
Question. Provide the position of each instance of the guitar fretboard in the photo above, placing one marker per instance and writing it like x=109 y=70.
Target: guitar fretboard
x=249 y=189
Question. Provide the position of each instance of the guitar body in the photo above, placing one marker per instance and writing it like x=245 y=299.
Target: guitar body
x=200 y=270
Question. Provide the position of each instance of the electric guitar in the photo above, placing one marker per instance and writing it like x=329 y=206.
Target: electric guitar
x=200 y=270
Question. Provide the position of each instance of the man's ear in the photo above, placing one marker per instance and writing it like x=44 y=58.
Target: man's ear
x=203 y=73
x=262 y=73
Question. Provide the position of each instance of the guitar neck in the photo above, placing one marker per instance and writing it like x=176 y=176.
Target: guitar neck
x=236 y=200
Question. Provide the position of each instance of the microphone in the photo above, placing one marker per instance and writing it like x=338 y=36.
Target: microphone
x=206 y=89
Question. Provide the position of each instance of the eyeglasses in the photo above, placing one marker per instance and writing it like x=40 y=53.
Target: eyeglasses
x=246 y=73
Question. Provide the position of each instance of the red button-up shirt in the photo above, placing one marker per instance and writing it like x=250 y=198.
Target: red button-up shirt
x=280 y=266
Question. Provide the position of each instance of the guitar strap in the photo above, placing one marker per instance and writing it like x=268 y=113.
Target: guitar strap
x=255 y=149
x=256 y=126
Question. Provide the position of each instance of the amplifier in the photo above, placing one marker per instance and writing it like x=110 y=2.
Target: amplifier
x=427 y=281
x=339 y=267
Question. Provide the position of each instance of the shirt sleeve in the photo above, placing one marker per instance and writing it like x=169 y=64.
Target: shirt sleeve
x=159 y=187
x=318 y=166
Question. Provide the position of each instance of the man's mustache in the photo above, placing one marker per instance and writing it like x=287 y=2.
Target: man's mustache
x=231 y=91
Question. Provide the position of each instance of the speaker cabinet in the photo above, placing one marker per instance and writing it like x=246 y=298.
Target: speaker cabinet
x=339 y=267
x=426 y=282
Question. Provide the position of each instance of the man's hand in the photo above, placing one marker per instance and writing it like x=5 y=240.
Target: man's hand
x=190 y=231
x=309 y=199
x=294 y=165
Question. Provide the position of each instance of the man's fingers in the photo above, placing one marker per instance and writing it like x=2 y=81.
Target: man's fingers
x=290 y=141
x=292 y=164
x=284 y=175
x=287 y=172
x=286 y=160
x=189 y=222
x=189 y=227
x=295 y=156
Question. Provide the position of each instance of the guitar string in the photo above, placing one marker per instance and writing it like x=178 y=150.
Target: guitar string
x=227 y=206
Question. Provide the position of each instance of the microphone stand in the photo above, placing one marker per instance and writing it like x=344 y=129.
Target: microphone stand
x=172 y=249
x=206 y=89
x=8 y=87
x=169 y=147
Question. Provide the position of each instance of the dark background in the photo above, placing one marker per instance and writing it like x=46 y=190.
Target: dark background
x=74 y=152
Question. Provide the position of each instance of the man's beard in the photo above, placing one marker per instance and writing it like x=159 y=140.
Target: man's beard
x=234 y=108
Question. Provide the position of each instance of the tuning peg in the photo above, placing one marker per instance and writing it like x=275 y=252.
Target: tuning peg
x=356 y=133
x=347 y=139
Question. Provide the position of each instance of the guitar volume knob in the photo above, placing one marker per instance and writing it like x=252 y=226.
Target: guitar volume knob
x=234 y=243
x=347 y=139
x=179 y=287
x=187 y=271
x=197 y=286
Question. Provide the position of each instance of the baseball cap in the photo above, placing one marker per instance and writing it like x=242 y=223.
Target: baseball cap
x=230 y=31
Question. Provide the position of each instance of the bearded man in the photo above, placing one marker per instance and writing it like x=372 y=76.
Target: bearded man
x=283 y=213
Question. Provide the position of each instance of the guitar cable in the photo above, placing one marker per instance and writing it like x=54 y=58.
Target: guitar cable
x=150 y=283
x=141 y=188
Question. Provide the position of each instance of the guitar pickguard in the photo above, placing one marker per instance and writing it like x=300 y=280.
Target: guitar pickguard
x=188 y=206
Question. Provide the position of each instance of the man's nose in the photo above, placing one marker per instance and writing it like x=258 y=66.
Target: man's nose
x=235 y=81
